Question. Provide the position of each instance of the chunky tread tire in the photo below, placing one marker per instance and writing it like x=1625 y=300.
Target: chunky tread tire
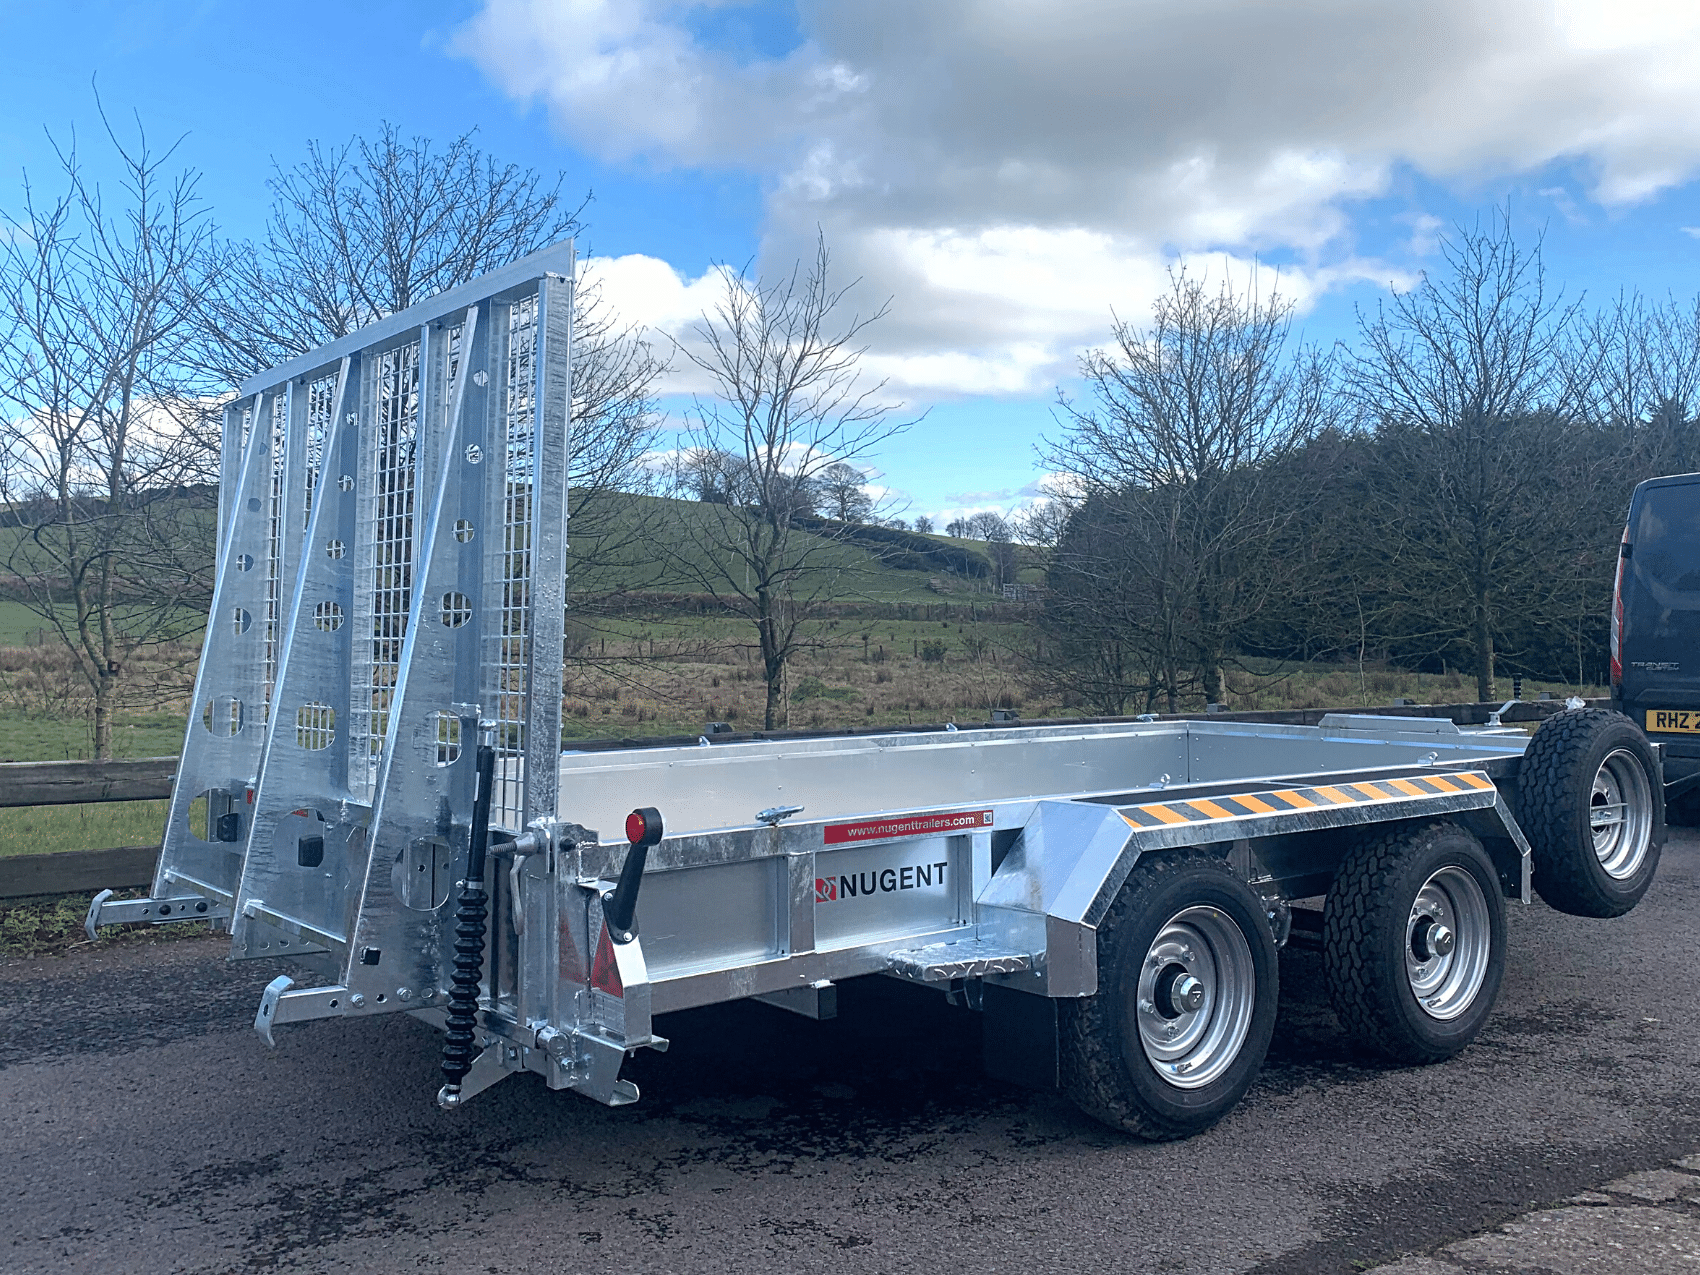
x=1554 y=789
x=1104 y=1067
x=1364 y=936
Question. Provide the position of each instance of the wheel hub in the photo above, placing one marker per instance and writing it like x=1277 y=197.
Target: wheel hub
x=1195 y=996
x=1620 y=814
x=1178 y=991
x=1448 y=940
x=1430 y=938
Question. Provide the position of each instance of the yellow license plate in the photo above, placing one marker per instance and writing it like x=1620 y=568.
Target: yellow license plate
x=1674 y=720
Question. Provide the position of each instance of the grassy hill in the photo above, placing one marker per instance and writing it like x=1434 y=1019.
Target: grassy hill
x=643 y=631
x=623 y=543
x=656 y=548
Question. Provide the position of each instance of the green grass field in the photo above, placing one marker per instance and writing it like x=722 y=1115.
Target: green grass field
x=96 y=826
x=38 y=737
x=19 y=626
x=614 y=545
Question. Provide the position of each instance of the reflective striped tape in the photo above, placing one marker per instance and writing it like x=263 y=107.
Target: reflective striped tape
x=1277 y=801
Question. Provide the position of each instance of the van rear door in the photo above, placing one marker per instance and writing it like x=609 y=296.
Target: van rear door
x=1660 y=642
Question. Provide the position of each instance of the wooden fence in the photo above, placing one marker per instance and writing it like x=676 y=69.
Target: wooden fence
x=71 y=783
x=68 y=783
x=49 y=783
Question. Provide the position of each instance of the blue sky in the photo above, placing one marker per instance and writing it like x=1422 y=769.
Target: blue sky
x=1005 y=172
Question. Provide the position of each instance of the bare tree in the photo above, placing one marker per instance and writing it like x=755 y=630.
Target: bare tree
x=1466 y=379
x=1672 y=346
x=1100 y=632
x=1040 y=526
x=1189 y=421
x=844 y=494
x=788 y=404
x=985 y=525
x=924 y=525
x=999 y=536
x=105 y=471
x=363 y=230
x=1634 y=369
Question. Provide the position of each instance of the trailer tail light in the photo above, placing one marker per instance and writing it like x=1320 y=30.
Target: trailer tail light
x=643 y=826
x=1617 y=615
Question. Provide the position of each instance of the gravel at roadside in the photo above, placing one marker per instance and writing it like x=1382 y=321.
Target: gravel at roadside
x=1645 y=1223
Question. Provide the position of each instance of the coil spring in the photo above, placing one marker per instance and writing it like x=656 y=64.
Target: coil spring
x=458 y=1043
x=471 y=914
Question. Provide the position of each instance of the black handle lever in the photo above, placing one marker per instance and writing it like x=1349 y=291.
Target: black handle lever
x=619 y=905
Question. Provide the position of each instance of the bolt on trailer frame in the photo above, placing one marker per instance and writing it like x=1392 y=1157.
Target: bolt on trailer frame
x=378 y=726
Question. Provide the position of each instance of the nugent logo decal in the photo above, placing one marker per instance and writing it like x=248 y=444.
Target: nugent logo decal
x=927 y=825
x=884 y=881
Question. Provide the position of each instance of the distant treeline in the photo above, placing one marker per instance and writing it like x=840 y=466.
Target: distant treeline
x=1447 y=494
x=904 y=550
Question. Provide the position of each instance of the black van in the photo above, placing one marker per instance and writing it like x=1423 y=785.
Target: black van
x=1655 y=628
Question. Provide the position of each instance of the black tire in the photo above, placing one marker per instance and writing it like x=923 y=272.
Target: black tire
x=1396 y=888
x=1106 y=1067
x=1558 y=789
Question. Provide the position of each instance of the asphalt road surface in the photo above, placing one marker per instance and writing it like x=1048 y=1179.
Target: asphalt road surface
x=144 y=1127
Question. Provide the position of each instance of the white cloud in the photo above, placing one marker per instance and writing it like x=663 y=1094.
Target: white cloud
x=1008 y=171
x=648 y=291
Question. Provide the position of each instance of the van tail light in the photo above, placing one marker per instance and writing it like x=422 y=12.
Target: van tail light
x=1617 y=617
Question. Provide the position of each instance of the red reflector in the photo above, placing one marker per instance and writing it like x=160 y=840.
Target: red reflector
x=605 y=967
x=635 y=827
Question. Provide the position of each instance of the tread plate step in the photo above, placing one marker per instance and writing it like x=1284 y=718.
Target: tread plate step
x=964 y=958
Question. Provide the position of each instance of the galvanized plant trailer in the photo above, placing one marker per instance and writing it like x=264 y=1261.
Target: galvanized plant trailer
x=374 y=787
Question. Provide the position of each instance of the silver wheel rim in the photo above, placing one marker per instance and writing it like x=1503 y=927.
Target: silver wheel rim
x=1192 y=1031
x=1448 y=940
x=1620 y=814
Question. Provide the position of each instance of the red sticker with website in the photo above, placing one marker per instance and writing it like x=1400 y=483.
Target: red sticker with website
x=934 y=823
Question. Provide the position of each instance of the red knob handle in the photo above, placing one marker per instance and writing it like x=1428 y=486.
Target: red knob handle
x=643 y=826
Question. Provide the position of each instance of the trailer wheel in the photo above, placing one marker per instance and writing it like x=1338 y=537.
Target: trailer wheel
x=1187 y=989
x=1591 y=804
x=1413 y=940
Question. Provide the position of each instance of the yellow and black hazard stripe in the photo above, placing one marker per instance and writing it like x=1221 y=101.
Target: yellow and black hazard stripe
x=1280 y=801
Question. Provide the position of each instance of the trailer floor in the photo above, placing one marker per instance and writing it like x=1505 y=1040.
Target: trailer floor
x=144 y=1126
